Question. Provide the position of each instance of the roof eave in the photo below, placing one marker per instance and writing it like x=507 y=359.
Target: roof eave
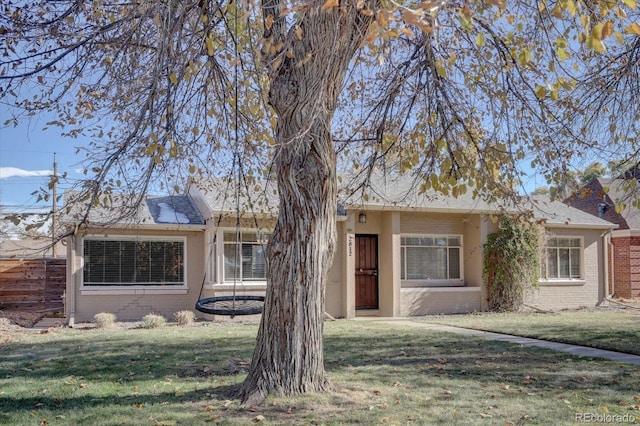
x=579 y=225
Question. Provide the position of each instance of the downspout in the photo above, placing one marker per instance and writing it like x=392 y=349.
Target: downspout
x=606 y=243
x=613 y=265
x=71 y=281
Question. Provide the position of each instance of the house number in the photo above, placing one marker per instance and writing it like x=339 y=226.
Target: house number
x=350 y=245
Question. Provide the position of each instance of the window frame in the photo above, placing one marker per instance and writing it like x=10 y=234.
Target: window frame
x=447 y=282
x=544 y=267
x=136 y=288
x=216 y=269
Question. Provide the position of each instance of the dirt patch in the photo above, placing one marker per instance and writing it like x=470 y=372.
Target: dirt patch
x=8 y=329
x=22 y=318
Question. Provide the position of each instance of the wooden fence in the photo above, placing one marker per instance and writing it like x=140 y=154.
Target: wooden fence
x=32 y=284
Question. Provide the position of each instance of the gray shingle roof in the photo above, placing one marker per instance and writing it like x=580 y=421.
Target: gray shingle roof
x=389 y=192
x=259 y=198
x=169 y=210
x=558 y=213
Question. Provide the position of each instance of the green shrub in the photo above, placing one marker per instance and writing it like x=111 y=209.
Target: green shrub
x=512 y=262
x=153 y=321
x=104 y=320
x=184 y=318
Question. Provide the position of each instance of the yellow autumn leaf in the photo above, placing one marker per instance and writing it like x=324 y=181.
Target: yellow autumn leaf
x=480 y=40
x=541 y=92
x=563 y=54
x=633 y=28
x=412 y=17
x=173 y=78
x=598 y=46
x=499 y=3
x=209 y=42
x=620 y=13
x=383 y=18
x=408 y=33
x=630 y=3
x=440 y=69
x=524 y=57
x=602 y=30
x=619 y=37
x=330 y=3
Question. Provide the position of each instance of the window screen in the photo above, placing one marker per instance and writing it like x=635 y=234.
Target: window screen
x=133 y=262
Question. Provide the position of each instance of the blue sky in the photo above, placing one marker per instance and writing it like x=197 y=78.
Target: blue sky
x=26 y=162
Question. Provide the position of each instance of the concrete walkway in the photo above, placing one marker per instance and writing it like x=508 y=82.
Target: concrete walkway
x=45 y=323
x=561 y=347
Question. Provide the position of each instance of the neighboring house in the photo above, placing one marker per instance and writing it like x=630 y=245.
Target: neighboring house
x=32 y=248
x=398 y=254
x=599 y=197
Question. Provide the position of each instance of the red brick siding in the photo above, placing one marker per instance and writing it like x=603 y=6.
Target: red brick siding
x=626 y=269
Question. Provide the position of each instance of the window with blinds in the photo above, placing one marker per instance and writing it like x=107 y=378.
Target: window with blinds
x=431 y=258
x=109 y=262
x=244 y=257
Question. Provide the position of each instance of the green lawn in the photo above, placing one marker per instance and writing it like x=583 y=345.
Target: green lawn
x=383 y=373
x=614 y=331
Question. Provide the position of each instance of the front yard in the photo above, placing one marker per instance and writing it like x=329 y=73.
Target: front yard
x=383 y=373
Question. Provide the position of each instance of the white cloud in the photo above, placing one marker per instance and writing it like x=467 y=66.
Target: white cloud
x=7 y=172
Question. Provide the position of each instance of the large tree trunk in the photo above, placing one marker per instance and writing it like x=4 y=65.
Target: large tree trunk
x=288 y=358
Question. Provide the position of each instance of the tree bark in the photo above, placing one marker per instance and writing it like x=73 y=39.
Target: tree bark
x=288 y=357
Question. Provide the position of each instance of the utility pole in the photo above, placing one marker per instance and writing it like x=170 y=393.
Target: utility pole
x=54 y=210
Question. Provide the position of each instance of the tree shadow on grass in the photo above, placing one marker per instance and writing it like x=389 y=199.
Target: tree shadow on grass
x=418 y=357
x=123 y=371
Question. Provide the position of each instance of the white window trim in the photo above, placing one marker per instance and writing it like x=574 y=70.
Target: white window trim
x=215 y=270
x=544 y=281
x=124 y=289
x=455 y=282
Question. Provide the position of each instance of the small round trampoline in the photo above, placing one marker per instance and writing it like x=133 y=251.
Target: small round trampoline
x=231 y=305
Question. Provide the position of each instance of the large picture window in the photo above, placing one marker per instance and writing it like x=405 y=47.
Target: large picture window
x=435 y=258
x=110 y=262
x=244 y=258
x=562 y=258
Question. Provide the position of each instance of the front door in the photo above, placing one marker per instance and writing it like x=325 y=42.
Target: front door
x=366 y=271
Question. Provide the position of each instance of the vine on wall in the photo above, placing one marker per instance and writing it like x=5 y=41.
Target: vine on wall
x=512 y=262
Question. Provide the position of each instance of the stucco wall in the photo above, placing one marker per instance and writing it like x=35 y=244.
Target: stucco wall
x=395 y=300
x=442 y=300
x=334 y=290
x=129 y=304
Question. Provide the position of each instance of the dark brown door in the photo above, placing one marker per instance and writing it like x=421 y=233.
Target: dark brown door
x=366 y=272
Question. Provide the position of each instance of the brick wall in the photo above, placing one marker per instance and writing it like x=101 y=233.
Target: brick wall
x=626 y=269
x=590 y=197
